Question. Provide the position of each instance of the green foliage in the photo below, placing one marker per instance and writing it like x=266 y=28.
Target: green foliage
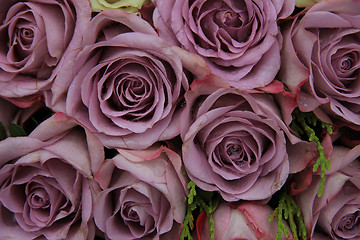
x=27 y=126
x=306 y=124
x=3 y=134
x=16 y=130
x=288 y=210
x=197 y=201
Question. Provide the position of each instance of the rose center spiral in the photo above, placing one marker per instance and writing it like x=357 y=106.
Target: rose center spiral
x=349 y=221
x=234 y=151
x=348 y=61
x=131 y=213
x=25 y=36
x=237 y=152
x=39 y=198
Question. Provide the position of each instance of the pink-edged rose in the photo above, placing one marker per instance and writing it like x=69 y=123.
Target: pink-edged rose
x=246 y=220
x=143 y=195
x=336 y=212
x=34 y=36
x=239 y=39
x=46 y=181
x=233 y=141
x=128 y=86
x=320 y=61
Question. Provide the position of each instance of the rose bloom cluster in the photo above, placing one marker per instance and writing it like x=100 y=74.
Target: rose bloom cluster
x=109 y=109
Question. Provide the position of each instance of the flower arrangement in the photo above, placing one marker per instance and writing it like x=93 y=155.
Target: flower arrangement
x=173 y=119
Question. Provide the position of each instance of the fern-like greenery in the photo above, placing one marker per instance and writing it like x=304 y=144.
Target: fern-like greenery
x=306 y=124
x=198 y=200
x=287 y=210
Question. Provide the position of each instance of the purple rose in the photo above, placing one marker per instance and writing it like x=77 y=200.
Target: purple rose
x=336 y=212
x=320 y=61
x=34 y=36
x=128 y=86
x=240 y=40
x=143 y=195
x=233 y=141
x=45 y=181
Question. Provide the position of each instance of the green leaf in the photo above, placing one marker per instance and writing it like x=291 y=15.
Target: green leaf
x=3 y=134
x=287 y=210
x=16 y=130
x=191 y=186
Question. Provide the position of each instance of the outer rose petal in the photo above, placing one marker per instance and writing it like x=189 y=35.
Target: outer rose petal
x=54 y=96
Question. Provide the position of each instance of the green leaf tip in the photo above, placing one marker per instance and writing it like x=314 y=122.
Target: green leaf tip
x=16 y=130
x=191 y=186
x=287 y=210
x=305 y=123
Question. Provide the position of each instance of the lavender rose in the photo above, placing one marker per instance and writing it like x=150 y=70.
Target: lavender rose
x=320 y=61
x=146 y=189
x=128 y=86
x=233 y=142
x=45 y=182
x=336 y=212
x=240 y=40
x=34 y=36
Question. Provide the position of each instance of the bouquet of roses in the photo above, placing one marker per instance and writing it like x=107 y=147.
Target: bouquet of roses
x=174 y=119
